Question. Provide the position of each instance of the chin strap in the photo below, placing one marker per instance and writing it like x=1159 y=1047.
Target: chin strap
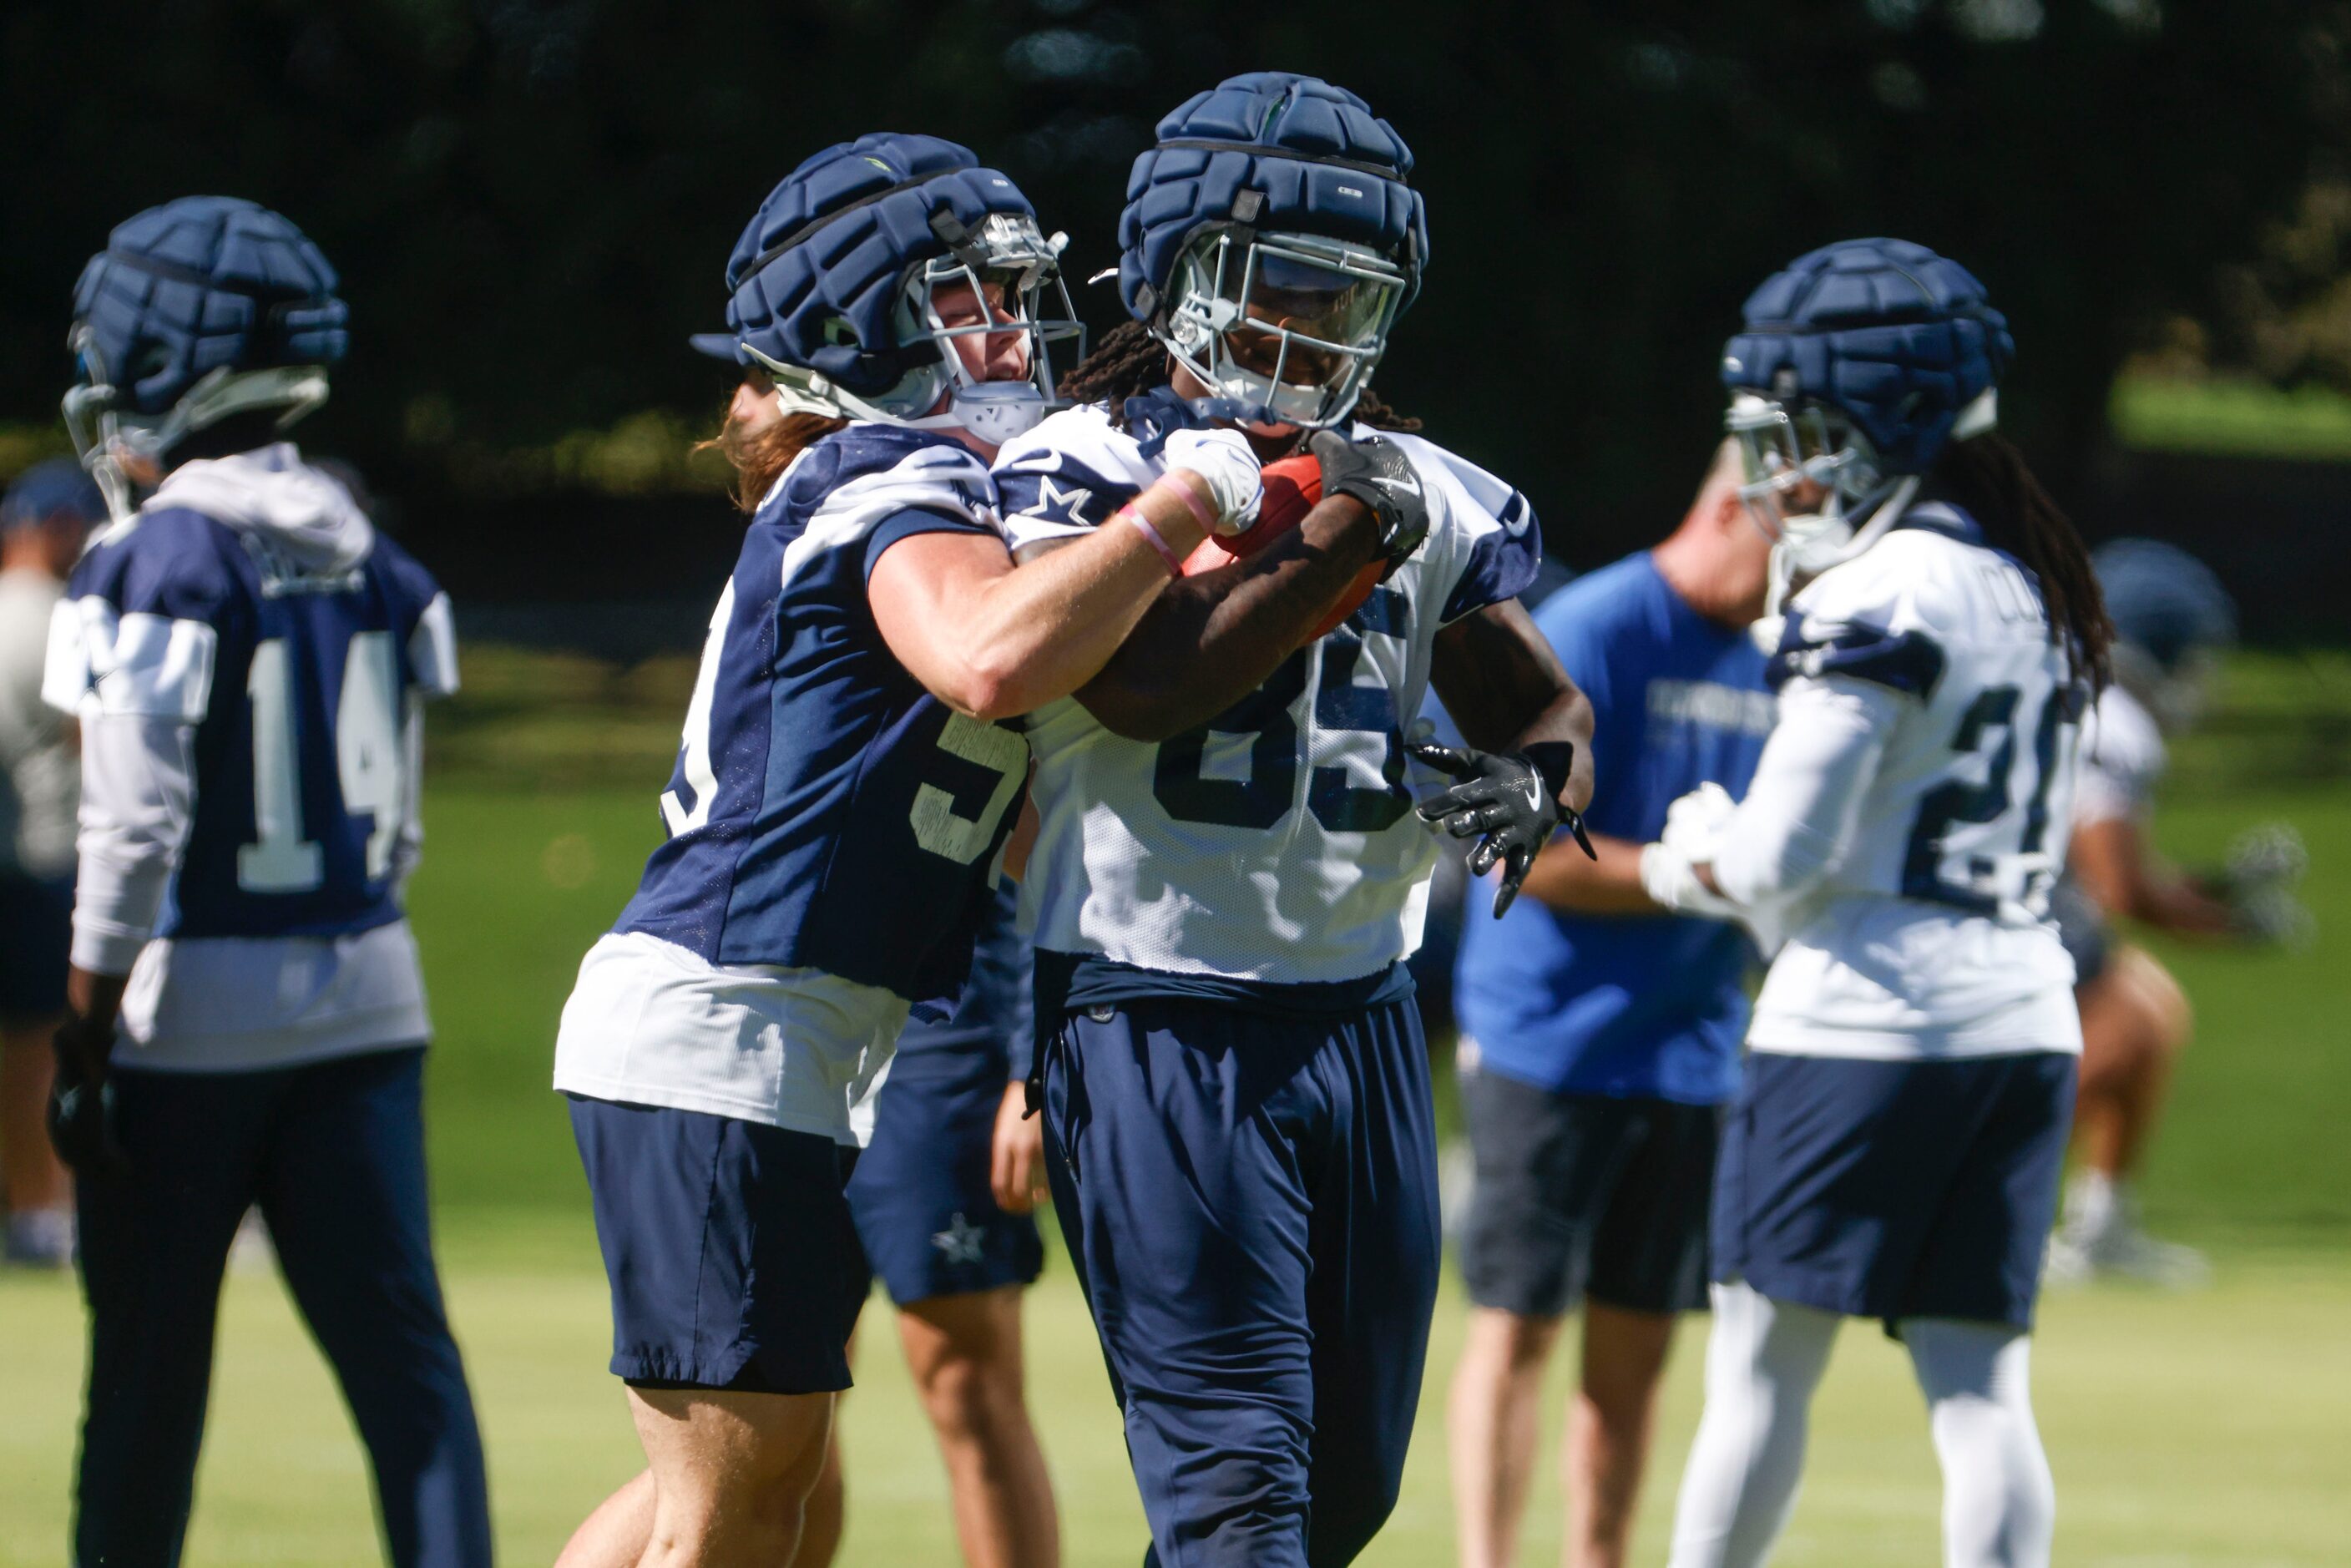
x=102 y=434
x=1878 y=513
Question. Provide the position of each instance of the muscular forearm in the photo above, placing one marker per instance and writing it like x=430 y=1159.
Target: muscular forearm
x=1043 y=631
x=1506 y=689
x=1565 y=879
x=1210 y=639
x=2117 y=868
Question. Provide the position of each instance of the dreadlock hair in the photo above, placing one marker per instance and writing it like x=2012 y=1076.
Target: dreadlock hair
x=1986 y=476
x=1130 y=361
x=760 y=454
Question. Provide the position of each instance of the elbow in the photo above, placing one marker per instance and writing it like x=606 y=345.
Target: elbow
x=987 y=688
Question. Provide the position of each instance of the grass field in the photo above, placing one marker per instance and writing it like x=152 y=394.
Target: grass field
x=2212 y=1428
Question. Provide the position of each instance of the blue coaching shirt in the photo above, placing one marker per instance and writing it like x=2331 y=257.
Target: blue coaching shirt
x=1629 y=1006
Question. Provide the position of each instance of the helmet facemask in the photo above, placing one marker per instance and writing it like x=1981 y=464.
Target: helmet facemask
x=111 y=439
x=1284 y=330
x=1811 y=482
x=1003 y=279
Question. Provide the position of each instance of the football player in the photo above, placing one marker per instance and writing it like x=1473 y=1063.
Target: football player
x=945 y=1200
x=248 y=659
x=1599 y=1042
x=1895 y=1148
x=1228 y=872
x=839 y=806
x=44 y=522
x=2172 y=618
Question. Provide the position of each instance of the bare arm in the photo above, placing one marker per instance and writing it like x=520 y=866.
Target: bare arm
x=1565 y=879
x=2116 y=867
x=992 y=640
x=1211 y=640
x=1506 y=688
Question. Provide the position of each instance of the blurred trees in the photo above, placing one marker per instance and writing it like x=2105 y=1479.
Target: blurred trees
x=531 y=200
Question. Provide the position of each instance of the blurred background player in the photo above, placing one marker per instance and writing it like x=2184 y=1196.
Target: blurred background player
x=838 y=812
x=1896 y=1142
x=1599 y=1037
x=2172 y=622
x=47 y=515
x=944 y=1199
x=248 y=658
x=1228 y=875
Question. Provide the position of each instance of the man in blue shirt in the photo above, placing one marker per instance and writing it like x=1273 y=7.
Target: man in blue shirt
x=1599 y=1037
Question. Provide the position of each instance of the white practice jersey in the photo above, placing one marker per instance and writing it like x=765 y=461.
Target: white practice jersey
x=1929 y=934
x=1277 y=844
x=2122 y=760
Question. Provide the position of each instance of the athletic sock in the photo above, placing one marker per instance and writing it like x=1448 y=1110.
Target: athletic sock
x=2091 y=1200
x=1999 y=1505
x=1764 y=1360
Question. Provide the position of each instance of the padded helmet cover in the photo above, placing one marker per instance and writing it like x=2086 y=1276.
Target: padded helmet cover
x=815 y=278
x=1896 y=337
x=1318 y=159
x=2164 y=600
x=200 y=283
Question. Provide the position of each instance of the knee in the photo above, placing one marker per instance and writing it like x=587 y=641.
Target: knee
x=1509 y=1344
x=2160 y=1008
x=969 y=1397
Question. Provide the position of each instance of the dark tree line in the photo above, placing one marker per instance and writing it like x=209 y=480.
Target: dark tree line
x=531 y=200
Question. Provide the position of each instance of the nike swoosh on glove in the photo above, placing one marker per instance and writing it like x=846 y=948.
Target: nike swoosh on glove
x=1506 y=799
x=1376 y=471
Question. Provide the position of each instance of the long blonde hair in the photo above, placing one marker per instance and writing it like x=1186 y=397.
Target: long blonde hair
x=759 y=453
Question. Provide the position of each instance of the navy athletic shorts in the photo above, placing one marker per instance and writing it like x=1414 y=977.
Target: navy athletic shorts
x=35 y=943
x=1584 y=1194
x=1250 y=1204
x=2082 y=927
x=728 y=1246
x=921 y=1197
x=1893 y=1189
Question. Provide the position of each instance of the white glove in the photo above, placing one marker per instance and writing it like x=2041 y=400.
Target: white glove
x=1227 y=465
x=1694 y=830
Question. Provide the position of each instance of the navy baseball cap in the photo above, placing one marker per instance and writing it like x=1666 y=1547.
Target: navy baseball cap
x=56 y=486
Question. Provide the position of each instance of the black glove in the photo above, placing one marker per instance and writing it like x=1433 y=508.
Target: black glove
x=1507 y=799
x=1375 y=472
x=82 y=1100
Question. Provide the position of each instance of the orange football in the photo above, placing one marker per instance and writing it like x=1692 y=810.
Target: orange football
x=1292 y=485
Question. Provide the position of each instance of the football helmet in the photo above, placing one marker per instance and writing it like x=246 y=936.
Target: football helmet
x=196 y=310
x=1853 y=366
x=1270 y=240
x=2172 y=621
x=855 y=281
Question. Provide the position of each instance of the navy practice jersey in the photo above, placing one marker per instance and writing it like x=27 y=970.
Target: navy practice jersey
x=296 y=673
x=827 y=812
x=991 y=1014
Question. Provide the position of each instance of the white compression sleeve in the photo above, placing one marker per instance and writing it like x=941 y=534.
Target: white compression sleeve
x=1999 y=1505
x=1792 y=824
x=137 y=790
x=1764 y=1359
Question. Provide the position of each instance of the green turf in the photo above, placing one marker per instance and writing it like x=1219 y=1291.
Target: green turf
x=2206 y=1429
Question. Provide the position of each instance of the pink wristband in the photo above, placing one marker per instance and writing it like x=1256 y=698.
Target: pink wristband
x=1200 y=507
x=1142 y=526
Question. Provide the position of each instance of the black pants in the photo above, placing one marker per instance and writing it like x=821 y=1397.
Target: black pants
x=334 y=1153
